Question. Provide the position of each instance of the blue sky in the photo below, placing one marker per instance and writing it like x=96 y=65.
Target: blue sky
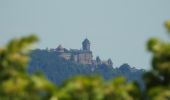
x=117 y=29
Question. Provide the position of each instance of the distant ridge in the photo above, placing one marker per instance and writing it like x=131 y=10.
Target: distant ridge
x=58 y=69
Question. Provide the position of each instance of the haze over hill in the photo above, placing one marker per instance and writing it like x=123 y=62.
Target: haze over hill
x=58 y=70
x=118 y=29
x=60 y=64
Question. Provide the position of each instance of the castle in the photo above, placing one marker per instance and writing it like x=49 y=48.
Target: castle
x=84 y=56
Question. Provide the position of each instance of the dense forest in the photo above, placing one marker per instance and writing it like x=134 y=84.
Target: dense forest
x=58 y=69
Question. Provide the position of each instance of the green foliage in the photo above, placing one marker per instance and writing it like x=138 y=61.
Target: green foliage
x=158 y=80
x=167 y=25
x=94 y=88
x=16 y=84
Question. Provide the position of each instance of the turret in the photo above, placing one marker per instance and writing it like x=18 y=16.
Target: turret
x=110 y=62
x=86 y=45
x=60 y=49
x=98 y=60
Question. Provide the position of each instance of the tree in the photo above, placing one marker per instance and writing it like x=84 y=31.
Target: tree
x=16 y=84
x=158 y=79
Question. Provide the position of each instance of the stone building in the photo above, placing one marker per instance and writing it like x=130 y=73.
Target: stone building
x=62 y=52
x=83 y=56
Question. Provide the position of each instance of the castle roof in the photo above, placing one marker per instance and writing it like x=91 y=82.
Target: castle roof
x=60 y=47
x=86 y=41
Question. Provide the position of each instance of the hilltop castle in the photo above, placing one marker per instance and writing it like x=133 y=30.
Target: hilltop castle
x=84 y=56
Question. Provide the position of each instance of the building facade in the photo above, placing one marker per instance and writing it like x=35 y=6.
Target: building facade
x=83 y=56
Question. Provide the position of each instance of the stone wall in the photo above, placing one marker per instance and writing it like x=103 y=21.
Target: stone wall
x=85 y=58
x=66 y=56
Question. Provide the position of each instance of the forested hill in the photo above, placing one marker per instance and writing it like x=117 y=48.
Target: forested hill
x=58 y=70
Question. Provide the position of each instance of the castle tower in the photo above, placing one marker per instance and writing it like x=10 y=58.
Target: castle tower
x=86 y=45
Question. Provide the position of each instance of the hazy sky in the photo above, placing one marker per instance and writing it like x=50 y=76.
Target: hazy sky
x=117 y=29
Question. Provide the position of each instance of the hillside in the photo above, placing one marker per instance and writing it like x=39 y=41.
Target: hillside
x=57 y=69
